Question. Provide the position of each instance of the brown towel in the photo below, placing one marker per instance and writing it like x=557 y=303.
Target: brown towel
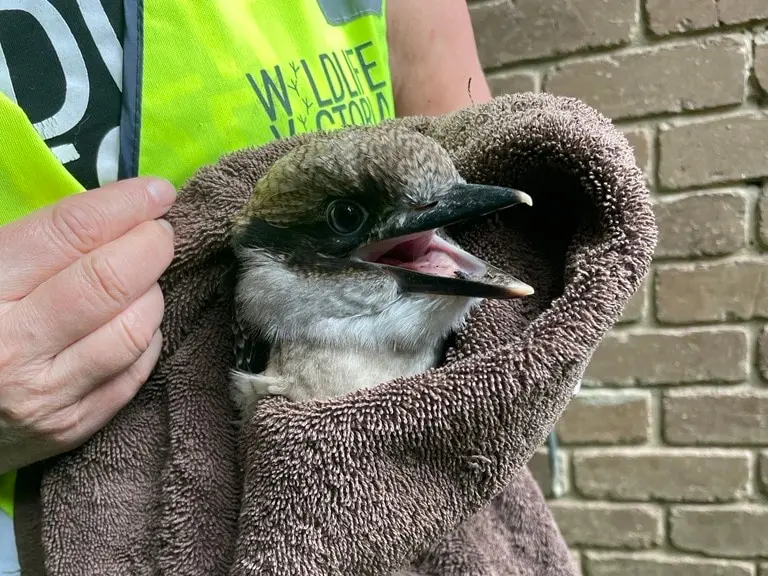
x=424 y=475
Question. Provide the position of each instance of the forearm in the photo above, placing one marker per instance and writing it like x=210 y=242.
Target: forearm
x=434 y=60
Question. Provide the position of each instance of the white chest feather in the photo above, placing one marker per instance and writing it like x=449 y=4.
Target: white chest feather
x=331 y=336
x=305 y=372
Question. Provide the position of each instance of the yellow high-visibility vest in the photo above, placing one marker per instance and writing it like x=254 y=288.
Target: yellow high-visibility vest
x=204 y=78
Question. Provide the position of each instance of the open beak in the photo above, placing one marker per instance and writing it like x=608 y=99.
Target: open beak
x=423 y=262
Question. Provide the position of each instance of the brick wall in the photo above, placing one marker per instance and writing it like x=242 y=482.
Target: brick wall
x=664 y=455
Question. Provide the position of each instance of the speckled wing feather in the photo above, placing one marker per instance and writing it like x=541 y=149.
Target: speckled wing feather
x=249 y=356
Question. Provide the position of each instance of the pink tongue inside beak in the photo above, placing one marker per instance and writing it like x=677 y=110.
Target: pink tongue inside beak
x=424 y=252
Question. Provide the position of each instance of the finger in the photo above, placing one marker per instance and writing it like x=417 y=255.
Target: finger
x=109 y=350
x=93 y=412
x=92 y=291
x=45 y=242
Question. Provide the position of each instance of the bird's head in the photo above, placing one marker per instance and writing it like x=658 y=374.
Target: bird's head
x=343 y=239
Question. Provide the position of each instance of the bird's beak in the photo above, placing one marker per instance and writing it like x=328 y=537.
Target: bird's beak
x=423 y=262
x=461 y=202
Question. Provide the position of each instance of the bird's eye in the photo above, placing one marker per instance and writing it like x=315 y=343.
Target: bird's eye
x=346 y=217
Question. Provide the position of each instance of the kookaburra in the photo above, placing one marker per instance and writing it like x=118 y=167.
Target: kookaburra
x=344 y=266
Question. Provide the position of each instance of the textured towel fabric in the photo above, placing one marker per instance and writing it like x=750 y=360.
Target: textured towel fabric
x=422 y=476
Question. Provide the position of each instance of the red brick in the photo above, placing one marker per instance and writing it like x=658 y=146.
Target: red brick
x=661 y=564
x=714 y=151
x=761 y=61
x=654 y=357
x=640 y=140
x=716 y=417
x=508 y=32
x=693 y=75
x=738 y=11
x=762 y=215
x=712 y=292
x=606 y=417
x=512 y=82
x=661 y=474
x=608 y=525
x=666 y=17
x=698 y=224
x=731 y=531
x=762 y=352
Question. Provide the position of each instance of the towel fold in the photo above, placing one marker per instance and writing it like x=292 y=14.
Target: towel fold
x=421 y=476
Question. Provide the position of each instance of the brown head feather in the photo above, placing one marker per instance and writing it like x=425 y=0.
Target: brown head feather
x=394 y=163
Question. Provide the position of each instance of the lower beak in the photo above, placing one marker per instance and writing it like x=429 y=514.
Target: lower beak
x=500 y=286
x=469 y=276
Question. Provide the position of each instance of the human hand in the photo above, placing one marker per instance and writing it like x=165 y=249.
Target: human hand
x=80 y=311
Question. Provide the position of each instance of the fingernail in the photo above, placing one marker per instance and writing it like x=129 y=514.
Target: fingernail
x=162 y=191
x=167 y=224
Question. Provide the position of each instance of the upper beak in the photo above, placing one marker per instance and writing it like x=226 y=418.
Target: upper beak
x=477 y=279
x=461 y=202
